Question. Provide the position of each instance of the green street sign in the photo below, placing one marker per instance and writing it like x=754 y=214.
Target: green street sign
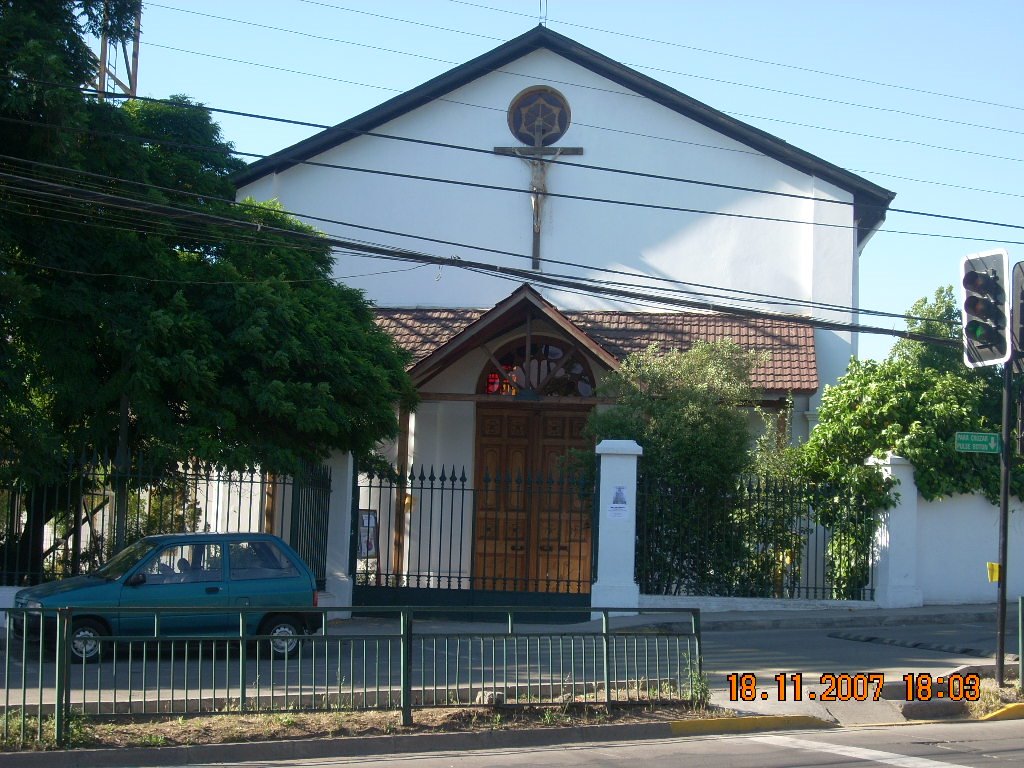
x=978 y=442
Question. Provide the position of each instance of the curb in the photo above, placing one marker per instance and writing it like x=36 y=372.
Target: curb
x=1009 y=712
x=752 y=724
x=365 y=746
x=958 y=650
x=848 y=620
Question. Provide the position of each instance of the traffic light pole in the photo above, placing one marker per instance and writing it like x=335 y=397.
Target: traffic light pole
x=1004 y=515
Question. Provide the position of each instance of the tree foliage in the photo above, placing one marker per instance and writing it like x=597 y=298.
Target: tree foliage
x=684 y=410
x=135 y=294
x=911 y=404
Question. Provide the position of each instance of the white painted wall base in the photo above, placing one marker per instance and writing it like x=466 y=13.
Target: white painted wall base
x=623 y=596
x=725 y=604
x=896 y=542
x=935 y=552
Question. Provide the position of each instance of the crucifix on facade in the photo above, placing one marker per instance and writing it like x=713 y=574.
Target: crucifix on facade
x=538 y=117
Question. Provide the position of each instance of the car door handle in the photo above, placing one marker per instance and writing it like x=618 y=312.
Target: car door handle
x=212 y=590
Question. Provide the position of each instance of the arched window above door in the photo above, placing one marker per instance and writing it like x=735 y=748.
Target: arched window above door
x=544 y=367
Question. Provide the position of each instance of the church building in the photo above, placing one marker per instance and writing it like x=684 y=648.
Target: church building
x=557 y=211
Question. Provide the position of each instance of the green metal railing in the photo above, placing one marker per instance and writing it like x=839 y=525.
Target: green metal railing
x=388 y=659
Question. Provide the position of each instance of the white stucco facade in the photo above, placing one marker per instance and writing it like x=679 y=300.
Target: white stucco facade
x=803 y=250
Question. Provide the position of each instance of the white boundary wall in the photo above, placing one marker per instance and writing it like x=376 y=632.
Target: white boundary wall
x=936 y=552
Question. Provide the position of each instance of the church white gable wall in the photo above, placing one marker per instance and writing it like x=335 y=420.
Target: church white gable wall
x=746 y=250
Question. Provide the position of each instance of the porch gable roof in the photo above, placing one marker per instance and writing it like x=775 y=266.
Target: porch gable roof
x=436 y=341
x=436 y=336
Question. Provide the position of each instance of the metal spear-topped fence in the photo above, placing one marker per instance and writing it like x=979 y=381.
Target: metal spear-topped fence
x=765 y=539
x=69 y=526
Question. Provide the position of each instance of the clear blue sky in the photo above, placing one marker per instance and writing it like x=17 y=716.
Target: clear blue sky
x=899 y=95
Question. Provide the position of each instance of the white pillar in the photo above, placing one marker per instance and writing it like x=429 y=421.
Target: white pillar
x=896 y=540
x=616 y=586
x=338 y=589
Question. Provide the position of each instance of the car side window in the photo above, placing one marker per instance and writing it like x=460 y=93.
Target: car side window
x=162 y=569
x=259 y=560
x=181 y=563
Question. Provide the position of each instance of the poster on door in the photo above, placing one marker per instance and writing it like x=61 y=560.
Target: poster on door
x=367 y=547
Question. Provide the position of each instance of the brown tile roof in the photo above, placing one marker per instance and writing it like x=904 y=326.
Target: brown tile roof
x=790 y=368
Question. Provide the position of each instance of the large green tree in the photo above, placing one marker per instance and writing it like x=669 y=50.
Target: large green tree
x=911 y=404
x=141 y=307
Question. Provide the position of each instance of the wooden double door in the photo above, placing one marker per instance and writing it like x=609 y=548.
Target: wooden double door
x=533 y=521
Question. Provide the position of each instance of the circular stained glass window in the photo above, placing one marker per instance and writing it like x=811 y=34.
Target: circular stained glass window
x=539 y=116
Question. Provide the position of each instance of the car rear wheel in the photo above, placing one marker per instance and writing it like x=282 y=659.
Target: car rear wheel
x=86 y=640
x=284 y=634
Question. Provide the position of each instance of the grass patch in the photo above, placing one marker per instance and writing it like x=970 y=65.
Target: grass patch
x=124 y=731
x=994 y=698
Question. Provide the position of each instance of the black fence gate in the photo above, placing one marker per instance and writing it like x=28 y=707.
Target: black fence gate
x=311 y=504
x=430 y=538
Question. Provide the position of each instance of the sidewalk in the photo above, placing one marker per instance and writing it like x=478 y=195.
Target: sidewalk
x=831 y=618
x=930 y=640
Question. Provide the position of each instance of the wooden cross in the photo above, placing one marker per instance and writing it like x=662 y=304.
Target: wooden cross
x=538 y=157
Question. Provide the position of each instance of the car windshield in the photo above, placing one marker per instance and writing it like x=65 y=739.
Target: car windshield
x=116 y=566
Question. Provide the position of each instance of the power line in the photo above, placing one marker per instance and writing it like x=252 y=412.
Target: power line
x=759 y=298
x=605 y=169
x=404 y=21
x=648 y=67
x=884 y=138
x=795 y=67
x=407 y=255
x=583 y=198
x=345 y=81
x=551 y=80
x=964 y=187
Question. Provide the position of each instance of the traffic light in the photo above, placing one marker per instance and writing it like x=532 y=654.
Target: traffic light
x=986 y=315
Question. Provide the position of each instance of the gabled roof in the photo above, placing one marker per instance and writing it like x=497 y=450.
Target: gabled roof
x=434 y=336
x=870 y=200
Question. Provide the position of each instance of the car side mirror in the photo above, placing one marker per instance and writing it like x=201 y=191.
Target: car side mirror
x=136 y=579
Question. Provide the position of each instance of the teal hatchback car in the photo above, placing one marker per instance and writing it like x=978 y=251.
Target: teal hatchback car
x=239 y=572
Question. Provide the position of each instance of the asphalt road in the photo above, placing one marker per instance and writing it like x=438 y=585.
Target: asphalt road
x=946 y=745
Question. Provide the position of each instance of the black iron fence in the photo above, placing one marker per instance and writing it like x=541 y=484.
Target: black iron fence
x=428 y=529
x=765 y=539
x=57 y=529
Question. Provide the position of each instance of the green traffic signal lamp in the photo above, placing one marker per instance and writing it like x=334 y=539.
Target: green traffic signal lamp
x=985 y=335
